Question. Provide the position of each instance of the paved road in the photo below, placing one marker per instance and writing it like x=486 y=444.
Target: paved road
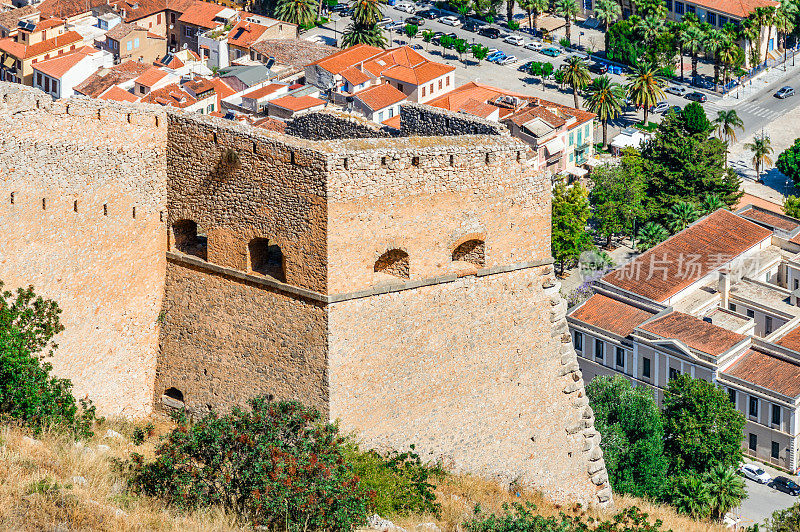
x=762 y=500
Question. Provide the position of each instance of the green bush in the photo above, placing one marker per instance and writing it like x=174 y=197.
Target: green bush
x=695 y=119
x=400 y=482
x=513 y=25
x=28 y=393
x=789 y=162
x=563 y=41
x=523 y=518
x=278 y=465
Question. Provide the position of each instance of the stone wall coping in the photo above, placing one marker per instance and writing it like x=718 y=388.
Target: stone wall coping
x=335 y=298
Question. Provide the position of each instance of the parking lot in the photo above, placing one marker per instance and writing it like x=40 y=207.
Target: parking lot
x=762 y=500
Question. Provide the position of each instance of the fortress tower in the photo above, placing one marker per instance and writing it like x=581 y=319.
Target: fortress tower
x=401 y=285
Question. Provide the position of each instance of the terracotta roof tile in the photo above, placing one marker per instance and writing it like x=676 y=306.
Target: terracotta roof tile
x=694 y=332
x=749 y=199
x=611 y=315
x=296 y=103
x=40 y=48
x=393 y=122
x=266 y=90
x=171 y=96
x=67 y=8
x=355 y=76
x=103 y=79
x=478 y=108
x=118 y=95
x=293 y=52
x=770 y=218
x=419 y=74
x=245 y=33
x=380 y=96
x=46 y=24
x=58 y=66
x=201 y=14
x=271 y=124
x=10 y=19
x=665 y=270
x=770 y=372
x=151 y=76
x=222 y=89
x=737 y=8
x=791 y=340
x=336 y=63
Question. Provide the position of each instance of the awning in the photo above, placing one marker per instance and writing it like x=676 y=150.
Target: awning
x=554 y=146
x=9 y=62
x=577 y=172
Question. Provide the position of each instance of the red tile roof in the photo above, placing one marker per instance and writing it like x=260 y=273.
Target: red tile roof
x=419 y=74
x=222 y=89
x=118 y=95
x=676 y=263
x=271 y=124
x=296 y=103
x=767 y=371
x=340 y=61
x=202 y=14
x=737 y=8
x=49 y=23
x=749 y=199
x=100 y=81
x=21 y=51
x=380 y=96
x=266 y=90
x=611 y=315
x=393 y=122
x=354 y=76
x=694 y=332
x=171 y=96
x=770 y=218
x=791 y=340
x=10 y=19
x=293 y=52
x=60 y=65
x=150 y=77
x=478 y=108
x=245 y=33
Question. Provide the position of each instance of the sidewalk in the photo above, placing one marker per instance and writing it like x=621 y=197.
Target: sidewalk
x=759 y=83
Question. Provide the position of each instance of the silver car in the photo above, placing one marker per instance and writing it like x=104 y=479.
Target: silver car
x=677 y=90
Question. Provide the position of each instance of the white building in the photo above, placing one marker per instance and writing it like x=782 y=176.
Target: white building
x=58 y=76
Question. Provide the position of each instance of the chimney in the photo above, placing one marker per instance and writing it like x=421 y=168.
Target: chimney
x=724 y=287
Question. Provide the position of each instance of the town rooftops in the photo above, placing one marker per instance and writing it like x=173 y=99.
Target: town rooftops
x=120 y=31
x=737 y=8
x=418 y=74
x=611 y=314
x=249 y=75
x=150 y=77
x=296 y=103
x=21 y=51
x=103 y=79
x=264 y=91
x=340 y=61
x=10 y=19
x=293 y=52
x=380 y=96
x=46 y=24
x=694 y=332
x=769 y=218
x=60 y=65
x=749 y=199
x=688 y=256
x=790 y=340
x=354 y=76
x=478 y=108
x=171 y=96
x=202 y=14
x=118 y=95
x=245 y=33
x=768 y=371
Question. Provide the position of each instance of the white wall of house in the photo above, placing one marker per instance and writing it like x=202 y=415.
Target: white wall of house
x=63 y=87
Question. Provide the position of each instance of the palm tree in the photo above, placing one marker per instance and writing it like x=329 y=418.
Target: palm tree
x=651 y=234
x=728 y=55
x=691 y=496
x=679 y=31
x=681 y=215
x=357 y=33
x=751 y=33
x=726 y=490
x=761 y=147
x=367 y=12
x=650 y=28
x=533 y=8
x=567 y=9
x=576 y=75
x=769 y=21
x=607 y=11
x=784 y=23
x=605 y=100
x=644 y=87
x=693 y=41
x=300 y=12
x=727 y=122
x=510 y=10
x=711 y=203
x=714 y=42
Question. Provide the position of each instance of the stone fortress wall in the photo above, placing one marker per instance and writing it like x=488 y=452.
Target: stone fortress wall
x=401 y=285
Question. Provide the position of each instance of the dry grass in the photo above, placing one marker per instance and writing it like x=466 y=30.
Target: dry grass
x=38 y=491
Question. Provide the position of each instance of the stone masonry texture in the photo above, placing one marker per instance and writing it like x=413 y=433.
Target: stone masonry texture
x=468 y=359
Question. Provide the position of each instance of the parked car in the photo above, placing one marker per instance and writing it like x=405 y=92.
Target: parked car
x=697 y=97
x=472 y=26
x=492 y=51
x=533 y=45
x=496 y=57
x=551 y=51
x=516 y=40
x=753 y=472
x=340 y=8
x=580 y=55
x=508 y=60
x=416 y=21
x=660 y=107
x=785 y=485
x=429 y=14
x=394 y=26
x=416 y=46
x=384 y=21
x=784 y=92
x=450 y=20
x=407 y=7
x=525 y=67
x=492 y=33
x=676 y=90
x=598 y=68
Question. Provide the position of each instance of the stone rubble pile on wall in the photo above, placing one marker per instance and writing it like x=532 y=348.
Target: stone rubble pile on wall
x=426 y=121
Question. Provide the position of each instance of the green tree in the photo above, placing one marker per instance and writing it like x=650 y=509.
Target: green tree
x=411 y=30
x=576 y=75
x=761 y=148
x=644 y=87
x=427 y=36
x=570 y=213
x=617 y=199
x=651 y=234
x=703 y=428
x=479 y=52
x=607 y=12
x=789 y=162
x=358 y=33
x=726 y=124
x=605 y=99
x=650 y=27
x=787 y=520
x=300 y=12
x=689 y=494
x=534 y=8
x=542 y=70
x=725 y=489
x=695 y=119
x=693 y=39
x=367 y=12
x=791 y=207
x=460 y=46
x=711 y=203
x=510 y=10
x=569 y=10
x=785 y=18
x=681 y=215
x=632 y=433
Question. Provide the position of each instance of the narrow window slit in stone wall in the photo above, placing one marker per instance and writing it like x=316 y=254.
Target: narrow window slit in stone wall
x=161 y=216
x=75 y=205
x=519 y=156
x=255 y=147
x=129 y=118
x=105 y=209
x=293 y=158
x=133 y=213
x=44 y=203
x=346 y=163
x=186 y=239
x=98 y=114
x=12 y=198
x=214 y=135
x=394 y=262
x=156 y=121
x=415 y=161
x=488 y=157
x=452 y=160
x=472 y=251
x=383 y=161
x=266 y=258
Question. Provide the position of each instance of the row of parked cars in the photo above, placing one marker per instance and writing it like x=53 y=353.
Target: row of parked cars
x=780 y=483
